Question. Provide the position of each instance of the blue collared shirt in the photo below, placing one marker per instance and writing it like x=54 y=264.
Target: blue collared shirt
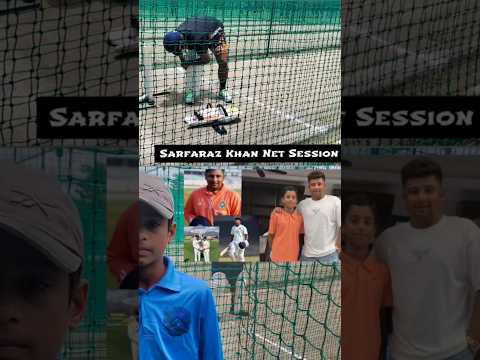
x=178 y=319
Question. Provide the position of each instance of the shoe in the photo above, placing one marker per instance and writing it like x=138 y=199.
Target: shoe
x=189 y=97
x=225 y=96
x=148 y=99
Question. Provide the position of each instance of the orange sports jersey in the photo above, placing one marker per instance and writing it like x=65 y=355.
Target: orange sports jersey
x=366 y=289
x=210 y=204
x=122 y=252
x=285 y=228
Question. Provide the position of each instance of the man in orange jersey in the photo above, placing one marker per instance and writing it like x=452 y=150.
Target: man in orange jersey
x=213 y=200
x=122 y=252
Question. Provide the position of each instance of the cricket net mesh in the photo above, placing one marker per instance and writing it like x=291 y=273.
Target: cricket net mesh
x=266 y=310
x=63 y=48
x=284 y=72
x=410 y=48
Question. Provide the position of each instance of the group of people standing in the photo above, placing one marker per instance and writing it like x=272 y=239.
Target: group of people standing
x=305 y=230
x=298 y=230
x=409 y=293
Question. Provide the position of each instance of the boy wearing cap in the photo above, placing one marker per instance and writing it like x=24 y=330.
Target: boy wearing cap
x=178 y=319
x=42 y=294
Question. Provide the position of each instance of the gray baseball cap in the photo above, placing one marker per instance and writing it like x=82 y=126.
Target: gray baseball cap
x=34 y=207
x=155 y=193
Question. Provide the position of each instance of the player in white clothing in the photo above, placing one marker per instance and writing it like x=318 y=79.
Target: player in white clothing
x=201 y=246
x=322 y=220
x=238 y=242
x=197 y=247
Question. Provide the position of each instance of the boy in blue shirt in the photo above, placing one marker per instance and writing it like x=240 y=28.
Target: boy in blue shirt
x=178 y=319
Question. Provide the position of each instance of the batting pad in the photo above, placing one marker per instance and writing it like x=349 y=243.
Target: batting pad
x=148 y=75
x=194 y=78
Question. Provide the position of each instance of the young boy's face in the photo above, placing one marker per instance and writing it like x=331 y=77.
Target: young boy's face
x=36 y=305
x=237 y=222
x=317 y=188
x=214 y=179
x=359 y=226
x=289 y=200
x=423 y=198
x=155 y=235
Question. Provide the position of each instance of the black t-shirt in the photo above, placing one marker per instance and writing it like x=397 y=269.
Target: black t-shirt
x=198 y=30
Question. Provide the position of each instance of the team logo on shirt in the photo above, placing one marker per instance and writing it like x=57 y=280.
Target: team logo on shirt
x=177 y=320
x=222 y=205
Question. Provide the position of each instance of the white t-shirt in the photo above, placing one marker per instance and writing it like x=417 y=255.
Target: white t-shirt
x=435 y=272
x=239 y=233
x=197 y=244
x=321 y=219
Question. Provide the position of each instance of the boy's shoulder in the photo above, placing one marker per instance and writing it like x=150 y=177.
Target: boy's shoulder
x=464 y=222
x=455 y=223
x=327 y=199
x=398 y=228
x=331 y=198
x=305 y=201
x=464 y=228
x=231 y=194
x=388 y=237
x=335 y=200
x=378 y=265
x=184 y=283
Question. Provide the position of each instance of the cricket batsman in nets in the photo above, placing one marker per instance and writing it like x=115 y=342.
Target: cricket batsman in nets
x=190 y=42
